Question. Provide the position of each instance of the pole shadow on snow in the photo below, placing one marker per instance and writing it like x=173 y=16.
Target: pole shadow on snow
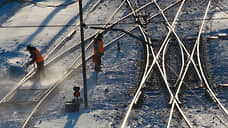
x=40 y=29
x=8 y=9
x=72 y=21
x=72 y=119
x=12 y=54
x=45 y=22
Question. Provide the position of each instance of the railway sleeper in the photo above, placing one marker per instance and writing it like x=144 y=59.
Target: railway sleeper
x=26 y=95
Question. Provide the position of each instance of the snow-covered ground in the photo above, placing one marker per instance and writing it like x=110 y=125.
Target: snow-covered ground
x=107 y=90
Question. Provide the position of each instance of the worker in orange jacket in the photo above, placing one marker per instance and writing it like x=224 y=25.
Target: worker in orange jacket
x=36 y=57
x=98 y=51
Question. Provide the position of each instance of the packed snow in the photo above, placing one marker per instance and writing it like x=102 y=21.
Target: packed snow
x=108 y=90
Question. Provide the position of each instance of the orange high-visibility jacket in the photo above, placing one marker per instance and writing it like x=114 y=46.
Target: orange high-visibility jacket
x=39 y=57
x=98 y=47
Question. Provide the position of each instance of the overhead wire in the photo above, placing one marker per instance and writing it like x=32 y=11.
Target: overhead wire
x=47 y=5
x=39 y=26
x=122 y=23
x=53 y=26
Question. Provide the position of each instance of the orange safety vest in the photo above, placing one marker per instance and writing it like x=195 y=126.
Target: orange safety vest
x=98 y=47
x=39 y=57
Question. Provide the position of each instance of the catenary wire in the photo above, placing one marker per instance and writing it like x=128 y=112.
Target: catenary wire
x=73 y=25
x=47 y=5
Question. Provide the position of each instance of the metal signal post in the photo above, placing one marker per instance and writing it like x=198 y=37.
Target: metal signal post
x=83 y=54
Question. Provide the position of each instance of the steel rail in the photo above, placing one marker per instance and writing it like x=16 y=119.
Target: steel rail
x=175 y=97
x=181 y=44
x=142 y=81
x=168 y=7
x=137 y=10
x=200 y=66
x=92 y=36
x=138 y=92
x=181 y=111
x=191 y=58
x=106 y=25
x=55 y=87
x=116 y=22
x=167 y=85
x=147 y=47
x=61 y=43
x=156 y=57
x=66 y=74
x=113 y=40
x=198 y=97
x=170 y=93
x=175 y=100
x=162 y=46
x=182 y=62
x=31 y=72
x=73 y=47
x=188 y=54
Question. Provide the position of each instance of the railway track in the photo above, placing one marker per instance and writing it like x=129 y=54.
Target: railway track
x=154 y=60
x=10 y=97
x=75 y=64
x=52 y=51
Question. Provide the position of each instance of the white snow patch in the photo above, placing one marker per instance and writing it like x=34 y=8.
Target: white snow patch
x=219 y=24
x=89 y=121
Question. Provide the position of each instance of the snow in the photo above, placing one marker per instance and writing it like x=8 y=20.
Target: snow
x=108 y=90
x=219 y=25
x=76 y=121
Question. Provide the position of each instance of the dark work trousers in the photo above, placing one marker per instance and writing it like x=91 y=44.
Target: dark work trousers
x=40 y=70
x=98 y=63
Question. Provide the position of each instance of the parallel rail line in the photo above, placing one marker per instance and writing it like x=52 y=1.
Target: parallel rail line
x=152 y=60
x=71 y=69
x=174 y=98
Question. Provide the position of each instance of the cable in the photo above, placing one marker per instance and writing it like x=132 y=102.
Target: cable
x=70 y=25
x=36 y=26
x=46 y=5
x=187 y=20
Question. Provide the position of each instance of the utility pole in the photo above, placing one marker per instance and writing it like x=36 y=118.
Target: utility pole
x=83 y=54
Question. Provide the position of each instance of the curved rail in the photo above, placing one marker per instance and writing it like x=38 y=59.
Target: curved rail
x=66 y=74
x=53 y=50
x=174 y=98
x=200 y=66
x=138 y=92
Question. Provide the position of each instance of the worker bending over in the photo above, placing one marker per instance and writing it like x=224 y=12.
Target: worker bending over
x=36 y=57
